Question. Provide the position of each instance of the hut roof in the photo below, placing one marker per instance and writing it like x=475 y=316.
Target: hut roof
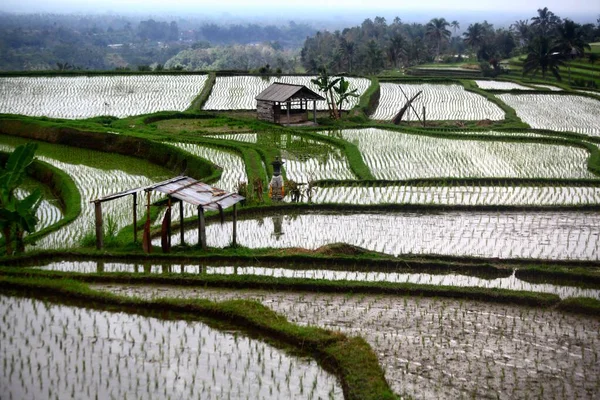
x=186 y=189
x=282 y=92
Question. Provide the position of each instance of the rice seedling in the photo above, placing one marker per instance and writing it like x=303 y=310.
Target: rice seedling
x=459 y=195
x=395 y=155
x=239 y=92
x=127 y=356
x=442 y=102
x=500 y=85
x=441 y=348
x=533 y=235
x=93 y=180
x=91 y=96
x=557 y=112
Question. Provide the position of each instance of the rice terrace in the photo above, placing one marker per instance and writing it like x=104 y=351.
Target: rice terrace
x=412 y=230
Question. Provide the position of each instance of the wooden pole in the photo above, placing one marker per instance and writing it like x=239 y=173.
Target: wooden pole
x=181 y=229
x=315 y=111
x=201 y=228
x=99 y=228
x=288 y=104
x=423 y=116
x=234 y=225
x=135 y=218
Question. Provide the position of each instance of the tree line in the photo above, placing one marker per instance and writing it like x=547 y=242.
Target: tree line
x=376 y=45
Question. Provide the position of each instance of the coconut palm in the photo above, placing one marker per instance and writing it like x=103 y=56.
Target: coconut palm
x=455 y=26
x=545 y=20
x=543 y=54
x=396 y=49
x=474 y=37
x=521 y=30
x=437 y=30
x=571 y=38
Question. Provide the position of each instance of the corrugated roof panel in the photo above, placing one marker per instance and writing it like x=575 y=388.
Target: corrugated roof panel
x=282 y=92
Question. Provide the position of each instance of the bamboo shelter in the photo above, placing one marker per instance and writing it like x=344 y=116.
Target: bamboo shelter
x=179 y=189
x=284 y=103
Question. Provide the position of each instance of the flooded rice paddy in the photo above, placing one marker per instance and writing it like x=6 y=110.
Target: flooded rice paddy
x=56 y=352
x=459 y=195
x=511 y=282
x=508 y=235
x=442 y=348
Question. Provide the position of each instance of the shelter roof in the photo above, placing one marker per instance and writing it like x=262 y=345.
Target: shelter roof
x=282 y=92
x=188 y=190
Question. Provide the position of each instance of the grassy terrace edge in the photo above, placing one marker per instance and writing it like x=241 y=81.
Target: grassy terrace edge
x=62 y=186
x=351 y=358
x=586 y=306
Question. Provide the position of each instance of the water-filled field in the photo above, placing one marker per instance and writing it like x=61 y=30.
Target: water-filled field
x=239 y=92
x=557 y=112
x=91 y=96
x=459 y=195
x=95 y=174
x=443 y=348
x=397 y=155
x=51 y=351
x=442 y=102
x=536 y=235
x=324 y=273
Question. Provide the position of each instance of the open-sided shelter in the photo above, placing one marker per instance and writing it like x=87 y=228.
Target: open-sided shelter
x=179 y=189
x=284 y=103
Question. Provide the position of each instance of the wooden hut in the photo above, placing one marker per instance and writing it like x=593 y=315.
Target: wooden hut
x=284 y=103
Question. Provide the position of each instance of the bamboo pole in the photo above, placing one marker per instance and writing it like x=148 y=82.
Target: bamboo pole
x=181 y=229
x=234 y=225
x=135 y=217
x=99 y=227
x=201 y=228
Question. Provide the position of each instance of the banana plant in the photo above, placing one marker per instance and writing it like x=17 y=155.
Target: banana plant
x=17 y=215
x=325 y=83
x=343 y=93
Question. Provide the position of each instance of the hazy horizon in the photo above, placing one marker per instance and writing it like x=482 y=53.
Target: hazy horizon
x=352 y=11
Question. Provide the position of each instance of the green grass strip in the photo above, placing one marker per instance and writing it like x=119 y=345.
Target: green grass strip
x=199 y=101
x=352 y=359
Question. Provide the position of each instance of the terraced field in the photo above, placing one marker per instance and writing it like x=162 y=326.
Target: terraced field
x=93 y=180
x=558 y=113
x=394 y=155
x=442 y=102
x=239 y=92
x=85 y=97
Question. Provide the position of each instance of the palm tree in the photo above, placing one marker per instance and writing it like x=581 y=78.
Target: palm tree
x=396 y=49
x=521 y=30
x=455 y=26
x=343 y=93
x=543 y=55
x=347 y=50
x=437 y=30
x=571 y=39
x=474 y=37
x=544 y=20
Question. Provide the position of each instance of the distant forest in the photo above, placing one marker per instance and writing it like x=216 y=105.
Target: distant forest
x=108 y=42
x=376 y=44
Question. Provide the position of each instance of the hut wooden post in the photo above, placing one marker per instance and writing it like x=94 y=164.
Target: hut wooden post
x=181 y=229
x=234 y=226
x=288 y=105
x=315 y=111
x=135 y=218
x=99 y=228
x=201 y=228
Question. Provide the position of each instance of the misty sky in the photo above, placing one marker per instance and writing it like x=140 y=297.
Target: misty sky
x=237 y=7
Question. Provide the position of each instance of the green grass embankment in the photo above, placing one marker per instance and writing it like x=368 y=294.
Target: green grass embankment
x=351 y=359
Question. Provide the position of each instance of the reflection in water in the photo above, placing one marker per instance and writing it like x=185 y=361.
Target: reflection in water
x=511 y=282
x=277 y=226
